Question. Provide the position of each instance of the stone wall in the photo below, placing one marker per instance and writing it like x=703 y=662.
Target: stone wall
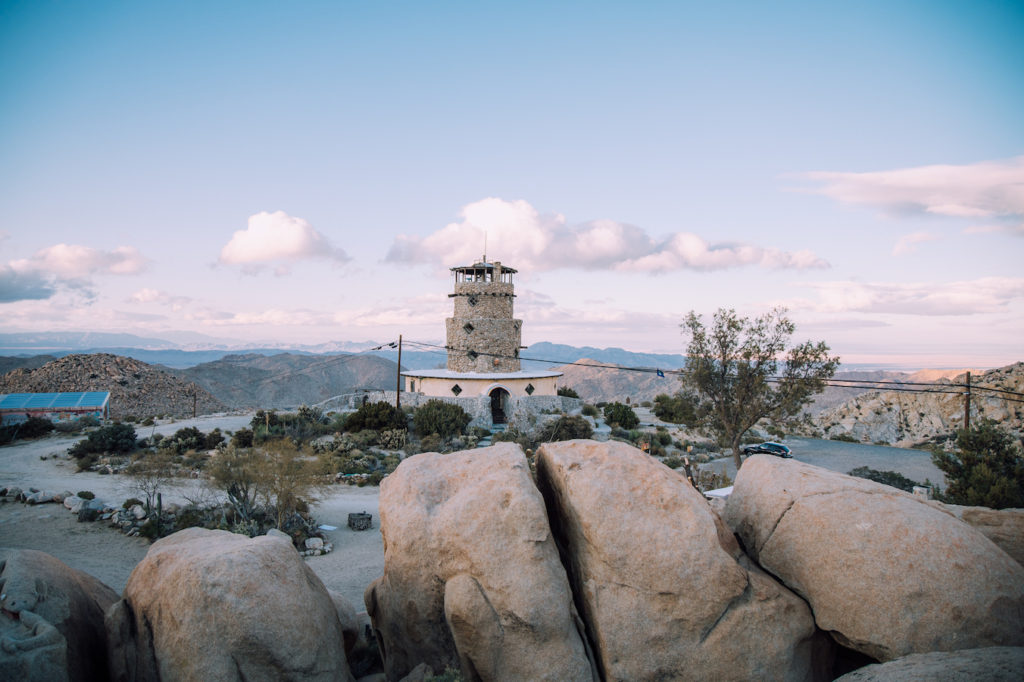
x=522 y=411
x=483 y=344
x=482 y=335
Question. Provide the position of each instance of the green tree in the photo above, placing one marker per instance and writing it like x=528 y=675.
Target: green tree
x=567 y=392
x=440 y=417
x=987 y=470
x=735 y=374
x=621 y=415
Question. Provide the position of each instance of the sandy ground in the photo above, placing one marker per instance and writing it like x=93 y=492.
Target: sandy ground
x=97 y=549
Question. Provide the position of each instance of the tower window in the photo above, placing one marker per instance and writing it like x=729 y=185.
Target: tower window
x=473 y=355
x=456 y=389
x=472 y=299
x=468 y=327
x=530 y=389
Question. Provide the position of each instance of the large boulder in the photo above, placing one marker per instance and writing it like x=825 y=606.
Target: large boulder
x=991 y=664
x=1005 y=527
x=472 y=577
x=51 y=622
x=662 y=584
x=212 y=605
x=885 y=573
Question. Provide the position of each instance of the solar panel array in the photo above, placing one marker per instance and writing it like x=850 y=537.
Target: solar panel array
x=88 y=400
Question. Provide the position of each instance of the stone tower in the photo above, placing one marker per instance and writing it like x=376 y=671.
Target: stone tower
x=482 y=335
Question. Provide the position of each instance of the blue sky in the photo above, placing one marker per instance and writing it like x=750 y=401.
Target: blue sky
x=306 y=172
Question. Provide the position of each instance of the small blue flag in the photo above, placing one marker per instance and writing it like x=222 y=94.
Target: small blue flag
x=661 y=374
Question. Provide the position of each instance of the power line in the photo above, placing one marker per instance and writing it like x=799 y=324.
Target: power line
x=947 y=388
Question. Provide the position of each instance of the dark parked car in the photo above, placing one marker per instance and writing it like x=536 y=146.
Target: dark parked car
x=776 y=449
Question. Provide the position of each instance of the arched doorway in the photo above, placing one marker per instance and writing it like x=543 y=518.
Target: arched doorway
x=499 y=403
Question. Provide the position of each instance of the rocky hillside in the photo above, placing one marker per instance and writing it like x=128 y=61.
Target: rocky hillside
x=135 y=388
x=834 y=396
x=596 y=383
x=7 y=363
x=907 y=419
x=289 y=380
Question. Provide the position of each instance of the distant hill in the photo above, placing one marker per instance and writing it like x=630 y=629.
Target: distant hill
x=7 y=363
x=289 y=380
x=611 y=383
x=913 y=418
x=135 y=388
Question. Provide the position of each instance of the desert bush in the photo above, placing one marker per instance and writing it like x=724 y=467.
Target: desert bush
x=672 y=462
x=242 y=438
x=590 y=411
x=116 y=438
x=377 y=416
x=431 y=443
x=441 y=418
x=567 y=392
x=30 y=429
x=843 y=438
x=392 y=439
x=676 y=409
x=621 y=415
x=893 y=478
x=86 y=494
x=565 y=428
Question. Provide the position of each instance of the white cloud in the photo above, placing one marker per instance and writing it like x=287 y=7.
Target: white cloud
x=148 y=295
x=908 y=242
x=65 y=266
x=522 y=237
x=989 y=189
x=276 y=237
x=73 y=261
x=984 y=295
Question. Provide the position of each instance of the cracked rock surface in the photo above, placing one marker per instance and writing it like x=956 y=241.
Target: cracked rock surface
x=472 y=577
x=885 y=573
x=663 y=587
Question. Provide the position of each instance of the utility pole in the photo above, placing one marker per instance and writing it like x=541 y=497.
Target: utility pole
x=967 y=404
x=195 y=392
x=398 y=376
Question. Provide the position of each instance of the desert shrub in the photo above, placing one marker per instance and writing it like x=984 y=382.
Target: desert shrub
x=893 y=478
x=567 y=392
x=148 y=421
x=431 y=443
x=213 y=439
x=31 y=428
x=88 y=421
x=188 y=438
x=676 y=409
x=392 y=439
x=565 y=428
x=621 y=415
x=843 y=438
x=663 y=438
x=672 y=462
x=590 y=411
x=377 y=416
x=441 y=418
x=86 y=494
x=987 y=469
x=620 y=433
x=131 y=502
x=513 y=435
x=116 y=438
x=242 y=438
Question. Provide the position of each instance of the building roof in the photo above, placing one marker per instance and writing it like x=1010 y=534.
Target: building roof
x=87 y=400
x=482 y=265
x=490 y=376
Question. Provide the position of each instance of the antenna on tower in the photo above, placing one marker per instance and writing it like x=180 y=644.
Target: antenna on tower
x=485 y=246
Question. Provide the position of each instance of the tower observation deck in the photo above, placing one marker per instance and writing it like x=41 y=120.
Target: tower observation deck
x=482 y=334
